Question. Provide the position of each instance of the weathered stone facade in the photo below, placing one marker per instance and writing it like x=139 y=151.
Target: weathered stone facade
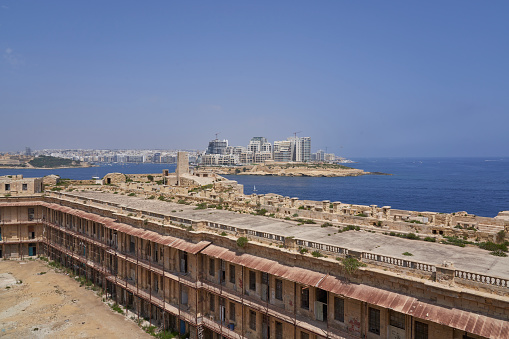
x=187 y=271
x=16 y=185
x=114 y=178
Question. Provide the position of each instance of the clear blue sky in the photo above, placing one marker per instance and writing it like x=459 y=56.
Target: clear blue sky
x=363 y=78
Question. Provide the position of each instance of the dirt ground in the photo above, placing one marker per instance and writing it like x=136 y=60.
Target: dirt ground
x=53 y=305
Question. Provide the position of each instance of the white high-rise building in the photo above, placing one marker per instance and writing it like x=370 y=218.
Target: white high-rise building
x=283 y=151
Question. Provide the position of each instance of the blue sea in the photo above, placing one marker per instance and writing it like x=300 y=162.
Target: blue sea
x=479 y=186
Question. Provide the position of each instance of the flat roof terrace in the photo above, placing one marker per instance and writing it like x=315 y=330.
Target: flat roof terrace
x=470 y=259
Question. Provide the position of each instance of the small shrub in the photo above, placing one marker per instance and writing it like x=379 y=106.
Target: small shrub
x=242 y=241
x=317 y=254
x=407 y=254
x=412 y=236
x=223 y=234
x=115 y=307
x=150 y=177
x=351 y=264
x=501 y=235
x=306 y=221
x=455 y=241
x=491 y=246
x=201 y=206
x=288 y=218
x=131 y=195
x=430 y=239
x=303 y=250
x=262 y=211
x=326 y=224
x=295 y=215
x=161 y=197
x=499 y=253
x=361 y=215
x=152 y=197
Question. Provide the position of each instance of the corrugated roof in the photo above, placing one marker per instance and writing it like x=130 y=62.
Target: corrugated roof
x=166 y=240
x=452 y=317
x=296 y=274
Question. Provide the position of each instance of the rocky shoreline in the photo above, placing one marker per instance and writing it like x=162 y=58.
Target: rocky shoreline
x=294 y=171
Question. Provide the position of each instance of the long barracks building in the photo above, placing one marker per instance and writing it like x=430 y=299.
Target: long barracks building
x=183 y=268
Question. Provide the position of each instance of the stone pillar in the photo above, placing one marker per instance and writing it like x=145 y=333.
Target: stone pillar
x=432 y=219
x=326 y=205
x=182 y=165
x=336 y=207
x=261 y=199
x=355 y=254
x=386 y=211
x=445 y=273
x=373 y=211
x=293 y=203
x=290 y=243
x=448 y=218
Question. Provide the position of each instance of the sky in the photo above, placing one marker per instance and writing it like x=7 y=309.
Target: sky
x=361 y=78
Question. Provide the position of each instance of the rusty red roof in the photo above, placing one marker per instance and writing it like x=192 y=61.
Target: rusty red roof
x=452 y=317
x=166 y=240
x=296 y=274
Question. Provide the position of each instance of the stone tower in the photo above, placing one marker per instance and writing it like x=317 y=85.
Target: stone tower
x=182 y=165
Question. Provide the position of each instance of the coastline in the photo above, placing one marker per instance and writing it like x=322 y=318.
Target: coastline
x=293 y=171
x=45 y=168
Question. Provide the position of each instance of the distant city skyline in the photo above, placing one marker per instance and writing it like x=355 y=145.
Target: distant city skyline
x=363 y=79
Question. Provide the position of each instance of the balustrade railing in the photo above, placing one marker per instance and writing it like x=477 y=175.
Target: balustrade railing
x=482 y=278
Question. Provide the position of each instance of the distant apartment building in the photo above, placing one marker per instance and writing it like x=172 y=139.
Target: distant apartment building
x=156 y=157
x=210 y=159
x=293 y=149
x=169 y=159
x=217 y=146
x=219 y=159
x=135 y=158
x=259 y=144
x=283 y=151
x=303 y=149
x=246 y=157
x=329 y=157
x=319 y=155
x=260 y=150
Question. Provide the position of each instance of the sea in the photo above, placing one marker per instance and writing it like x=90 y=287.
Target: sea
x=478 y=186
